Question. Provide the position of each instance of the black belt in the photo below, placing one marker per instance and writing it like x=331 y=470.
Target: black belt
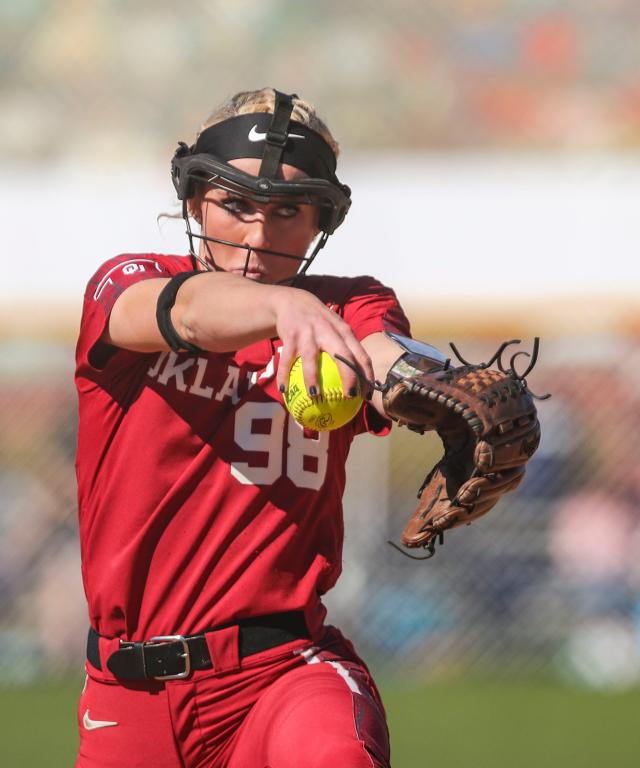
x=169 y=657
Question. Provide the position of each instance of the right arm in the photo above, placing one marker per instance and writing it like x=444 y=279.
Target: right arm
x=222 y=312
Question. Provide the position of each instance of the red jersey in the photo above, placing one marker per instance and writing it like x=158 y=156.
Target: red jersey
x=201 y=501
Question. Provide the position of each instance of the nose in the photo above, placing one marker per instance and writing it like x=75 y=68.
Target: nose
x=256 y=235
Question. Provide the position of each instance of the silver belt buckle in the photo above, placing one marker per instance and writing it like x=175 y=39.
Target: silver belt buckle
x=161 y=640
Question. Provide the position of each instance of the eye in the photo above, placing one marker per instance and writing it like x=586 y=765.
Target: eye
x=287 y=211
x=237 y=205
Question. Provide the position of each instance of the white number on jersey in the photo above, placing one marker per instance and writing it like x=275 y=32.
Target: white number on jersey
x=270 y=442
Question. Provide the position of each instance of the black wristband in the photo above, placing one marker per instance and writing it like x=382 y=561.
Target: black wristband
x=166 y=300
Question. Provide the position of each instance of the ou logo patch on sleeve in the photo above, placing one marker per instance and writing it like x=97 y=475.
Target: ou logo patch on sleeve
x=140 y=267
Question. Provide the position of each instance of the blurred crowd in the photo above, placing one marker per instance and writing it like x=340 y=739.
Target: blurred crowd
x=119 y=80
x=549 y=581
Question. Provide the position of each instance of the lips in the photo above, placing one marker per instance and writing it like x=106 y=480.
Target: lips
x=252 y=274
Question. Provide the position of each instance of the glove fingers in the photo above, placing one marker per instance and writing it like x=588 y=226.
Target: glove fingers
x=511 y=449
x=437 y=512
x=490 y=486
x=434 y=503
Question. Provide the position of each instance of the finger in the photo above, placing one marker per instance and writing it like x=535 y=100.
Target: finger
x=359 y=358
x=364 y=363
x=287 y=358
x=310 y=353
x=360 y=355
x=351 y=384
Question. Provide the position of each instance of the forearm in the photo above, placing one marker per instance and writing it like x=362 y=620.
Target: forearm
x=216 y=311
x=383 y=352
x=221 y=312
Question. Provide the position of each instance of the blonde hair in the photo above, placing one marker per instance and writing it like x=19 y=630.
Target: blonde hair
x=263 y=100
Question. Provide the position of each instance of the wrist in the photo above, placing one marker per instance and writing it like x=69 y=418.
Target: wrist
x=277 y=299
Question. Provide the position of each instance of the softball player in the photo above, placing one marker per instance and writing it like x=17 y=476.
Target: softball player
x=210 y=521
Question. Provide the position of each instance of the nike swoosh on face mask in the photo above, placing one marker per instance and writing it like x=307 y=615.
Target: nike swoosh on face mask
x=255 y=135
x=92 y=725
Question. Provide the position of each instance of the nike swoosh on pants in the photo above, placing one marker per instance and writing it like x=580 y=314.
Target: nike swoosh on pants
x=92 y=725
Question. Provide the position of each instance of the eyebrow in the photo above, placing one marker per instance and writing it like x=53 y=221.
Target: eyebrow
x=227 y=195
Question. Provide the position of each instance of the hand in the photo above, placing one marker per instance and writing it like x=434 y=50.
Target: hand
x=307 y=327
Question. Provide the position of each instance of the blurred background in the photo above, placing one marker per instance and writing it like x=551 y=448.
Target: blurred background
x=493 y=150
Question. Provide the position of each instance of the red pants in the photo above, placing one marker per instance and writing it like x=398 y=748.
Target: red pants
x=295 y=706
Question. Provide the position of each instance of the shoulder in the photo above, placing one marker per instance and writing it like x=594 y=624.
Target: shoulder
x=116 y=274
x=364 y=303
x=148 y=264
x=340 y=290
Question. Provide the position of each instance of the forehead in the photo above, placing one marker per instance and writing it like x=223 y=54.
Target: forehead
x=252 y=165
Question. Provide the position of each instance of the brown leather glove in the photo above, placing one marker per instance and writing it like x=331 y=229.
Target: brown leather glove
x=488 y=424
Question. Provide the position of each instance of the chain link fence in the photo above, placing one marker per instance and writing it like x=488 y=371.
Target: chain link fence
x=548 y=583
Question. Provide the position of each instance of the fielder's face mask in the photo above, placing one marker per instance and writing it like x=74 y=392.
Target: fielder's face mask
x=275 y=139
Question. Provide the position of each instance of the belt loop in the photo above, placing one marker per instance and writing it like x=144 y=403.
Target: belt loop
x=107 y=646
x=224 y=645
x=131 y=656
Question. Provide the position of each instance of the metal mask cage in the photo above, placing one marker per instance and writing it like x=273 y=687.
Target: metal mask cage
x=303 y=196
x=304 y=261
x=187 y=170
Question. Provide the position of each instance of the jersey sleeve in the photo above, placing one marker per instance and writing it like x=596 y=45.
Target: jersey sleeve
x=373 y=308
x=102 y=292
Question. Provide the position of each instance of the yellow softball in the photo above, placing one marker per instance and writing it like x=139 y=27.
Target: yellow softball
x=331 y=408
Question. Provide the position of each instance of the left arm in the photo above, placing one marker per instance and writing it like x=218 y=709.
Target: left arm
x=383 y=352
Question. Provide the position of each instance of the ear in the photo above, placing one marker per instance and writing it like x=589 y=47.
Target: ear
x=194 y=204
